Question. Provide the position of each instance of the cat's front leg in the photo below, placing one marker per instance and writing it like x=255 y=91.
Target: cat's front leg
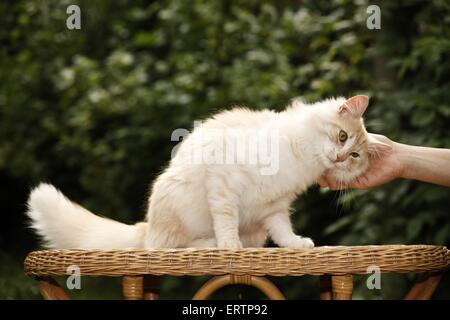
x=280 y=230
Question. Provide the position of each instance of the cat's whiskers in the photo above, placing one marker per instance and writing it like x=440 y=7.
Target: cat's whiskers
x=339 y=196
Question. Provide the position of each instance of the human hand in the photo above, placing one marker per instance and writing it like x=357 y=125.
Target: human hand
x=383 y=167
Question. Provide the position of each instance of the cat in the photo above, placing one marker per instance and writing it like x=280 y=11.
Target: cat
x=205 y=204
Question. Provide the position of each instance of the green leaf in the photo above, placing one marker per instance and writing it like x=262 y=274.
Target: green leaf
x=413 y=228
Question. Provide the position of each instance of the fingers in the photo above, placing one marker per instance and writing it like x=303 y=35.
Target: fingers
x=323 y=183
x=360 y=183
x=328 y=182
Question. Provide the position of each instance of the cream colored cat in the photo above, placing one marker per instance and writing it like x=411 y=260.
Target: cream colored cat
x=234 y=202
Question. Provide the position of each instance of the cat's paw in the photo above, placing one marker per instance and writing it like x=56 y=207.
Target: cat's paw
x=229 y=244
x=299 y=242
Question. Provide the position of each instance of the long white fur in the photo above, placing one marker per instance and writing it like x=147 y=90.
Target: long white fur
x=64 y=224
x=226 y=206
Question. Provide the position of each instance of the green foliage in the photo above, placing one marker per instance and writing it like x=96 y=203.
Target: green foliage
x=92 y=110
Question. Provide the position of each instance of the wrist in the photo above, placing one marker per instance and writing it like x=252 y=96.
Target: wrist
x=402 y=153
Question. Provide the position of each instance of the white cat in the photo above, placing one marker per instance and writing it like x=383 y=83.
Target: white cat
x=226 y=205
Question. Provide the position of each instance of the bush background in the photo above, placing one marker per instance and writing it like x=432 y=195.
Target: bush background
x=92 y=111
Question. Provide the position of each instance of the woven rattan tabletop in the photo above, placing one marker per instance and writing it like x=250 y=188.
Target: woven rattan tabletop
x=253 y=261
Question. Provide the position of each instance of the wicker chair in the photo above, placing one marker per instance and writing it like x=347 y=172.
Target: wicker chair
x=141 y=269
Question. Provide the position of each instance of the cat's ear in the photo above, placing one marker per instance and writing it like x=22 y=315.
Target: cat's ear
x=355 y=106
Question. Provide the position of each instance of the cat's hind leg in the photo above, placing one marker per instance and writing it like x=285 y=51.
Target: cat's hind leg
x=254 y=239
x=203 y=243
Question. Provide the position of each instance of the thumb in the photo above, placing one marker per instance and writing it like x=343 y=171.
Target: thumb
x=323 y=182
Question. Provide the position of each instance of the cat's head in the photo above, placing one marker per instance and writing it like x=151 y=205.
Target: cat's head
x=346 y=147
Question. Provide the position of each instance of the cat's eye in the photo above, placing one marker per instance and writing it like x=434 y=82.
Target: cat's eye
x=342 y=136
x=354 y=154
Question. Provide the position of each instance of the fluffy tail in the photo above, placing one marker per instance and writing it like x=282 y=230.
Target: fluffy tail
x=64 y=224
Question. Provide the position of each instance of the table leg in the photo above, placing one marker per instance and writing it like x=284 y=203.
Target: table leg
x=325 y=287
x=342 y=287
x=151 y=287
x=133 y=287
x=424 y=287
x=50 y=289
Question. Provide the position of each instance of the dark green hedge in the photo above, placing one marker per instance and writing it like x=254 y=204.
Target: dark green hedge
x=92 y=110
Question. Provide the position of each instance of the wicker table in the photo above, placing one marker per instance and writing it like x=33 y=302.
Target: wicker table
x=141 y=269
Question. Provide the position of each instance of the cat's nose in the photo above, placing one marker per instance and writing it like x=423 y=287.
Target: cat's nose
x=340 y=158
